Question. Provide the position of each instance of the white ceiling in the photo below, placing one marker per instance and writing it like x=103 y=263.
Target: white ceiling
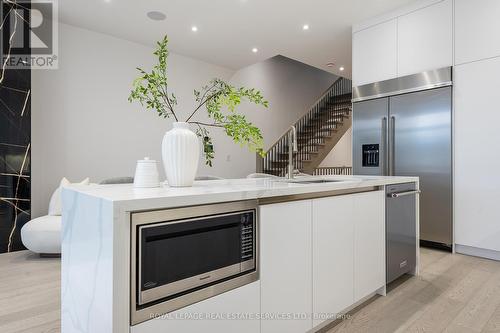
x=229 y=29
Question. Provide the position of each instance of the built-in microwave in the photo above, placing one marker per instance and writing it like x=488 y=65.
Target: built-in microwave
x=184 y=255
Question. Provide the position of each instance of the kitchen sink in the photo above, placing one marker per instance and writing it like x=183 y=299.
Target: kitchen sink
x=313 y=181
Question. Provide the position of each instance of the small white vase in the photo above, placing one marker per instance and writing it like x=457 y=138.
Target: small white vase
x=180 y=152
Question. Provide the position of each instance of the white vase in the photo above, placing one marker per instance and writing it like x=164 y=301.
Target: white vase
x=180 y=152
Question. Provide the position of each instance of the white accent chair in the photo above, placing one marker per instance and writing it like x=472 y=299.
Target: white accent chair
x=43 y=234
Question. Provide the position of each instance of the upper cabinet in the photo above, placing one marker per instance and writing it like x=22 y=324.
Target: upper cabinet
x=374 y=53
x=425 y=38
x=408 y=42
x=477 y=25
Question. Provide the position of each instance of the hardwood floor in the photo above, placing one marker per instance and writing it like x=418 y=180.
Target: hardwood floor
x=453 y=294
x=29 y=293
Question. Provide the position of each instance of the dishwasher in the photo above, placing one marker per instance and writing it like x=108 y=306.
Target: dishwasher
x=401 y=233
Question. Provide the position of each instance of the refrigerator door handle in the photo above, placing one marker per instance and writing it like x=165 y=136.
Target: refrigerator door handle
x=392 y=134
x=383 y=150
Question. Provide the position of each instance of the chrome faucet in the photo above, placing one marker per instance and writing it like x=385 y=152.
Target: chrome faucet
x=292 y=148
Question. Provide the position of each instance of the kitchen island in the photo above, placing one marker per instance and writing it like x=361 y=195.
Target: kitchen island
x=318 y=249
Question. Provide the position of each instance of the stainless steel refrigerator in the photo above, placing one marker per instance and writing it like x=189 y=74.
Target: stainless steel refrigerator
x=402 y=127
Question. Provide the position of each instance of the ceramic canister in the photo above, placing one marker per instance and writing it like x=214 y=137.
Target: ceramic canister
x=146 y=173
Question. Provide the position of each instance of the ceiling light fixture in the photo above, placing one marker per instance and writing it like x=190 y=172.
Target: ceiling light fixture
x=156 y=15
x=194 y=28
x=341 y=68
x=255 y=50
x=330 y=64
x=305 y=27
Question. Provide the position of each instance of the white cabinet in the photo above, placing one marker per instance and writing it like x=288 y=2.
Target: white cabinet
x=333 y=256
x=286 y=266
x=369 y=243
x=477 y=160
x=218 y=314
x=374 y=53
x=348 y=251
x=477 y=27
x=425 y=39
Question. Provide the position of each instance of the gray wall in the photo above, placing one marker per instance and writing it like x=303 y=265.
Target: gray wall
x=291 y=88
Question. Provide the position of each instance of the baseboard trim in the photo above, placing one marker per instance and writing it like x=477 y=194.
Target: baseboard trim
x=327 y=325
x=477 y=252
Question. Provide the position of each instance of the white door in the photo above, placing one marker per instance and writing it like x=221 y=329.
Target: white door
x=425 y=39
x=286 y=267
x=477 y=160
x=374 y=53
x=369 y=243
x=333 y=256
x=477 y=25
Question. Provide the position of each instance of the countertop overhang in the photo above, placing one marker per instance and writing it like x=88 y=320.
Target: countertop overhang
x=126 y=197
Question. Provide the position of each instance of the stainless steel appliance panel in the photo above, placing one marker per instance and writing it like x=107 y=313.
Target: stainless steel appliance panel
x=401 y=247
x=369 y=128
x=402 y=85
x=420 y=136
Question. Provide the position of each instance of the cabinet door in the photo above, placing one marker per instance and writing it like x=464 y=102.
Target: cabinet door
x=286 y=266
x=333 y=256
x=369 y=243
x=374 y=53
x=476 y=30
x=425 y=39
x=199 y=317
x=477 y=160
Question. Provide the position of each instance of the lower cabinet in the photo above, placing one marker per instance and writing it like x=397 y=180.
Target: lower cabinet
x=333 y=256
x=286 y=267
x=219 y=314
x=369 y=243
x=317 y=258
x=348 y=251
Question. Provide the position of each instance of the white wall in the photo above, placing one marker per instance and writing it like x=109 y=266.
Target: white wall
x=341 y=154
x=83 y=125
x=291 y=88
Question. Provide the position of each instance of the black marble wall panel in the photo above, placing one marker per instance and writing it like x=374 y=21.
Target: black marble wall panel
x=15 y=132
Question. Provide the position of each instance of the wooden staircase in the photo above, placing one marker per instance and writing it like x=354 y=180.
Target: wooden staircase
x=318 y=131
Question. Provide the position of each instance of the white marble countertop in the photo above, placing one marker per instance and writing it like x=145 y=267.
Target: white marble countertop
x=212 y=191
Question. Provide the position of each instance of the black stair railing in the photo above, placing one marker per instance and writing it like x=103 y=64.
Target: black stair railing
x=321 y=121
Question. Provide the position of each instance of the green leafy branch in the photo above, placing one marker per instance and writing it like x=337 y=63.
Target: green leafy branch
x=219 y=99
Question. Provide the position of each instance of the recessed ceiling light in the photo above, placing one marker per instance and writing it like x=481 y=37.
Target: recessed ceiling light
x=107 y=1
x=156 y=15
x=330 y=64
x=255 y=50
x=194 y=28
x=305 y=27
x=341 y=68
